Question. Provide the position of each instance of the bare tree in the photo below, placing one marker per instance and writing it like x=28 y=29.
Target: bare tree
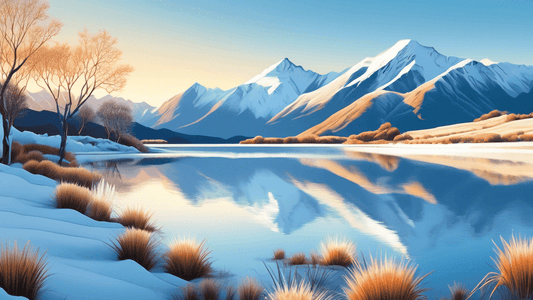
x=86 y=115
x=16 y=101
x=71 y=75
x=23 y=31
x=116 y=118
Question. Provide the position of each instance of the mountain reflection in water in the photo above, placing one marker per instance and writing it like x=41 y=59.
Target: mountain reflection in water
x=440 y=211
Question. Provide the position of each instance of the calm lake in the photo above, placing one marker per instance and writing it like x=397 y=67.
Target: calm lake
x=444 y=213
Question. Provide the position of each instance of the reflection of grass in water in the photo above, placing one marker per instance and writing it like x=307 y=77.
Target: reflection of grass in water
x=383 y=279
x=514 y=269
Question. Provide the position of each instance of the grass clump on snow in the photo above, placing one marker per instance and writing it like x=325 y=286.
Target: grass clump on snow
x=51 y=170
x=188 y=292
x=210 y=289
x=188 y=259
x=138 y=245
x=137 y=218
x=73 y=196
x=514 y=269
x=100 y=207
x=249 y=289
x=385 y=279
x=339 y=252
x=22 y=272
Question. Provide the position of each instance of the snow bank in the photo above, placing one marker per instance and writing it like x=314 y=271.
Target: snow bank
x=82 y=264
x=74 y=143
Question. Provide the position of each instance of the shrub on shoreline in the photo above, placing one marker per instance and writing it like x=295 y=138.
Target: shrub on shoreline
x=297 y=259
x=279 y=254
x=130 y=140
x=250 y=289
x=138 y=245
x=188 y=259
x=22 y=272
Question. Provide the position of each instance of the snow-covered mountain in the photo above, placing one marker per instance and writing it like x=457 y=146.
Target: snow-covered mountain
x=143 y=113
x=243 y=110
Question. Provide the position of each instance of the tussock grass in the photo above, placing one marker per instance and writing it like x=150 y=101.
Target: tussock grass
x=458 y=292
x=301 y=291
x=138 y=245
x=22 y=272
x=493 y=114
x=249 y=289
x=210 y=289
x=100 y=208
x=188 y=292
x=51 y=170
x=514 y=269
x=137 y=218
x=335 y=251
x=188 y=259
x=231 y=293
x=16 y=150
x=315 y=258
x=297 y=259
x=384 y=279
x=44 y=149
x=73 y=196
x=279 y=254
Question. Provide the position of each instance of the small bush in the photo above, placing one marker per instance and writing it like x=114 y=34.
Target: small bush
x=296 y=291
x=492 y=114
x=315 y=258
x=188 y=260
x=514 y=269
x=154 y=141
x=44 y=149
x=279 y=254
x=297 y=259
x=130 y=140
x=384 y=279
x=210 y=289
x=137 y=218
x=138 y=245
x=22 y=272
x=16 y=150
x=249 y=289
x=337 y=252
x=73 y=196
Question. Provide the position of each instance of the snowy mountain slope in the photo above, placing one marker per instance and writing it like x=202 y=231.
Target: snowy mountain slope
x=465 y=91
x=401 y=68
x=243 y=110
x=143 y=113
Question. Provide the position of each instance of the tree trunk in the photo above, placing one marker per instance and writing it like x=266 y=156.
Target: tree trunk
x=63 y=145
x=5 y=141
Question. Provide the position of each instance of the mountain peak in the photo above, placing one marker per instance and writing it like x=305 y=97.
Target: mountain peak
x=281 y=66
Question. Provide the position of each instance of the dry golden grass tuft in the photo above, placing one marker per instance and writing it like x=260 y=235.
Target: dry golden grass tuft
x=22 y=272
x=385 y=279
x=315 y=258
x=297 y=259
x=210 y=289
x=514 y=266
x=458 y=292
x=154 y=141
x=51 y=170
x=73 y=196
x=301 y=291
x=137 y=218
x=16 y=150
x=492 y=114
x=138 y=245
x=130 y=140
x=188 y=292
x=44 y=149
x=32 y=155
x=100 y=207
x=188 y=259
x=279 y=254
x=231 y=293
x=339 y=252
x=249 y=289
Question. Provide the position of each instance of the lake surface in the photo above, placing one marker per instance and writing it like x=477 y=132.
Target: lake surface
x=441 y=212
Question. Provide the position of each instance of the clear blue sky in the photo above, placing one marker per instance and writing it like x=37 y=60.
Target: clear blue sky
x=223 y=43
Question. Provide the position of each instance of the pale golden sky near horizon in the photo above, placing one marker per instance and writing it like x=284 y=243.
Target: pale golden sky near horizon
x=174 y=43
